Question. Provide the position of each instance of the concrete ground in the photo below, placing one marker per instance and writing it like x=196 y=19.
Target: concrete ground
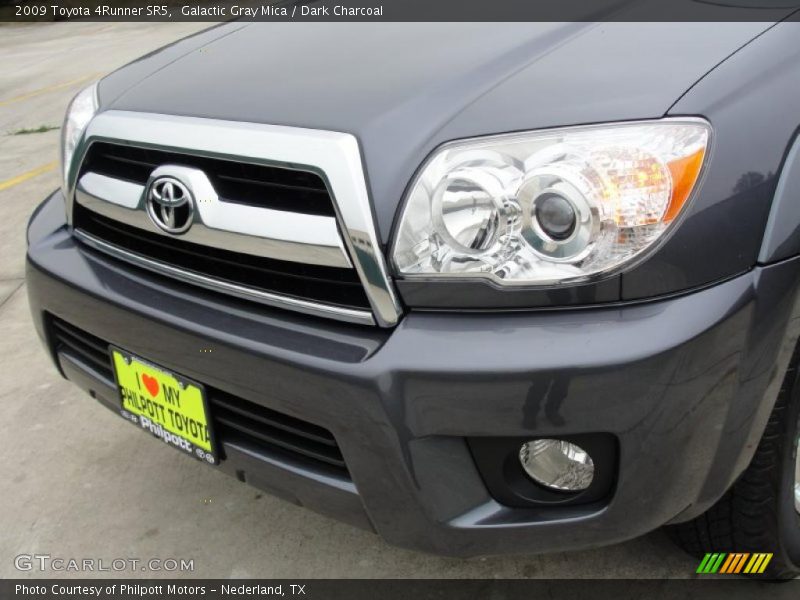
x=82 y=483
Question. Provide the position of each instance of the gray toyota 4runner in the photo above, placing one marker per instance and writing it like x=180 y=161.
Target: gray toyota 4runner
x=477 y=288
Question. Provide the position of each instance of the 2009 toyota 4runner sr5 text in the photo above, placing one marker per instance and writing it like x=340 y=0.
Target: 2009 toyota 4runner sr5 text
x=480 y=288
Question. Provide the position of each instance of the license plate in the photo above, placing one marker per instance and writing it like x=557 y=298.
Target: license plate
x=167 y=405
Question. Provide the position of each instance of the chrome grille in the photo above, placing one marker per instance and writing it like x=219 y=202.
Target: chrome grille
x=280 y=215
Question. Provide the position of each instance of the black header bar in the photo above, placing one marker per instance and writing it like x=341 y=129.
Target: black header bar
x=398 y=10
x=732 y=588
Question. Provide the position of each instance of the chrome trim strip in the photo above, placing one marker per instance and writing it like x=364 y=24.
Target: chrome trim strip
x=351 y=315
x=333 y=155
x=297 y=237
x=116 y=191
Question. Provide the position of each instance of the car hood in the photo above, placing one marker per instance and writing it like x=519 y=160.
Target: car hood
x=403 y=89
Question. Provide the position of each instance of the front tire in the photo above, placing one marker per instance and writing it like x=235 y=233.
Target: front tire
x=761 y=511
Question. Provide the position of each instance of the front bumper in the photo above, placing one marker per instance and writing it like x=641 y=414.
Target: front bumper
x=685 y=385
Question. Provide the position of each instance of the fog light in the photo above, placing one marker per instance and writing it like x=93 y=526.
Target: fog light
x=557 y=464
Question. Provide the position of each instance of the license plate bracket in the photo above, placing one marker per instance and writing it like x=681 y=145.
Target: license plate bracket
x=167 y=405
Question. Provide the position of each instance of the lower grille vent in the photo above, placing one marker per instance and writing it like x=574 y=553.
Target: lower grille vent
x=235 y=420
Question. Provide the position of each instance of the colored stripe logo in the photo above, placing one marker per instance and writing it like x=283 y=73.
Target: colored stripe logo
x=734 y=563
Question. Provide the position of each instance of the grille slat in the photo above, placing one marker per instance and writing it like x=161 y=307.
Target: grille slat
x=226 y=258
x=272 y=419
x=96 y=362
x=234 y=419
x=94 y=343
x=252 y=184
x=85 y=345
x=328 y=285
x=224 y=422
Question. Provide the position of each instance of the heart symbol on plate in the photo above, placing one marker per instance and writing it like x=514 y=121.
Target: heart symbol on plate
x=151 y=384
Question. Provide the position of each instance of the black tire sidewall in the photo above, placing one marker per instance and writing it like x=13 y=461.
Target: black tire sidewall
x=788 y=518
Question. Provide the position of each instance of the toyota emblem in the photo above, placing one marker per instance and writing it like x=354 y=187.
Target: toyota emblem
x=170 y=205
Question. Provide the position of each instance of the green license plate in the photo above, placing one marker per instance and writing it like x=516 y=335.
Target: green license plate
x=170 y=407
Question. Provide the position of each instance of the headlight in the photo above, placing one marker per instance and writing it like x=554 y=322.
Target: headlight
x=80 y=111
x=549 y=207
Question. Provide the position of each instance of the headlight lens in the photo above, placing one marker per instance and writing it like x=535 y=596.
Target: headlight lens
x=550 y=207
x=80 y=111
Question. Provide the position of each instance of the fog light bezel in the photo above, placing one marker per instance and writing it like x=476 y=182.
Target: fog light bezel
x=497 y=459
